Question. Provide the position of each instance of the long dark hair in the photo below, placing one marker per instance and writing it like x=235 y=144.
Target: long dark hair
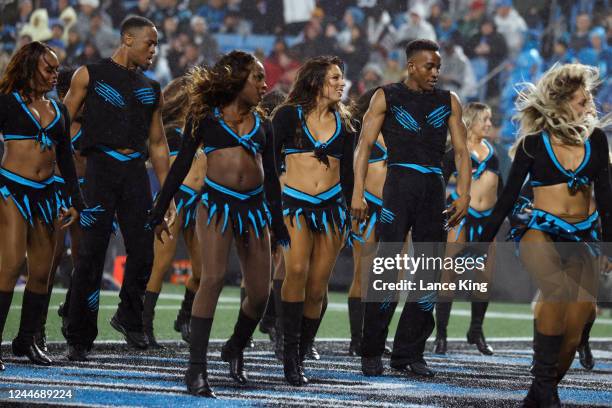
x=308 y=85
x=22 y=68
x=220 y=85
x=359 y=108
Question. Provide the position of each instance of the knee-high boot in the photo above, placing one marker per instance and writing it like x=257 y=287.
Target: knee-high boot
x=196 y=377
x=543 y=390
x=292 y=331
x=32 y=310
x=232 y=351
x=5 y=305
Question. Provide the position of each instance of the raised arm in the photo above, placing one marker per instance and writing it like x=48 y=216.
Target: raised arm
x=458 y=209
x=78 y=91
x=371 y=127
x=158 y=147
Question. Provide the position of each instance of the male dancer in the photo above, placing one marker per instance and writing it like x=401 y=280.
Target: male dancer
x=414 y=118
x=122 y=115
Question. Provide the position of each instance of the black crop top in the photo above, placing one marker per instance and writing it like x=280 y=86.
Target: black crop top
x=490 y=163
x=214 y=134
x=536 y=158
x=18 y=123
x=378 y=153
x=286 y=122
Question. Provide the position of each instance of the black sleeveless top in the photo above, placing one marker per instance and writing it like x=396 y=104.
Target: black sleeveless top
x=416 y=125
x=118 y=107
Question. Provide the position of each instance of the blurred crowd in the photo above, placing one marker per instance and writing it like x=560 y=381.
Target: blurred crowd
x=488 y=47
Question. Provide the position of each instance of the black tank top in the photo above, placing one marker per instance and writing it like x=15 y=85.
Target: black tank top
x=416 y=125
x=118 y=107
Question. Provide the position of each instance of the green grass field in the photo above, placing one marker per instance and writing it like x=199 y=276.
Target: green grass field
x=503 y=320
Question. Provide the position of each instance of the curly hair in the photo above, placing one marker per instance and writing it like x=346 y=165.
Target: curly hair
x=218 y=86
x=64 y=79
x=23 y=68
x=308 y=86
x=176 y=102
x=545 y=105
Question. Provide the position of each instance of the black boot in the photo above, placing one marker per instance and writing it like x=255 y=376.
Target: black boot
x=312 y=353
x=232 y=351
x=355 y=322
x=181 y=324
x=196 y=377
x=41 y=336
x=266 y=325
x=32 y=310
x=584 y=348
x=475 y=334
x=443 y=310
x=278 y=307
x=5 y=305
x=543 y=390
x=148 y=315
x=292 y=331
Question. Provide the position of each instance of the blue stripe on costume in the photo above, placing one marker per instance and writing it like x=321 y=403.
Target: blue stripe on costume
x=419 y=168
x=321 y=212
x=436 y=118
x=245 y=141
x=119 y=156
x=109 y=94
x=405 y=119
x=574 y=181
x=42 y=136
x=316 y=143
x=239 y=207
x=32 y=198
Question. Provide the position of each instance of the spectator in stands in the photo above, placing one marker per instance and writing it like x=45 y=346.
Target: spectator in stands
x=62 y=6
x=393 y=71
x=74 y=48
x=313 y=44
x=447 y=30
x=102 y=35
x=234 y=24
x=435 y=14
x=469 y=25
x=266 y=16
x=353 y=17
x=57 y=36
x=68 y=17
x=378 y=26
x=598 y=54
x=355 y=54
x=511 y=25
x=207 y=44
x=456 y=74
x=169 y=29
x=491 y=46
x=24 y=9
x=142 y=8
x=89 y=55
x=580 y=38
x=116 y=11
x=416 y=27
x=371 y=77
x=214 y=12
x=171 y=8
x=561 y=53
x=38 y=27
x=278 y=64
x=86 y=10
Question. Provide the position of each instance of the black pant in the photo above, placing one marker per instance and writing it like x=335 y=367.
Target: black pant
x=417 y=202
x=122 y=188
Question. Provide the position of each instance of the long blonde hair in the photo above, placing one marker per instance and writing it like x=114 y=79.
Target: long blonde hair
x=545 y=105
